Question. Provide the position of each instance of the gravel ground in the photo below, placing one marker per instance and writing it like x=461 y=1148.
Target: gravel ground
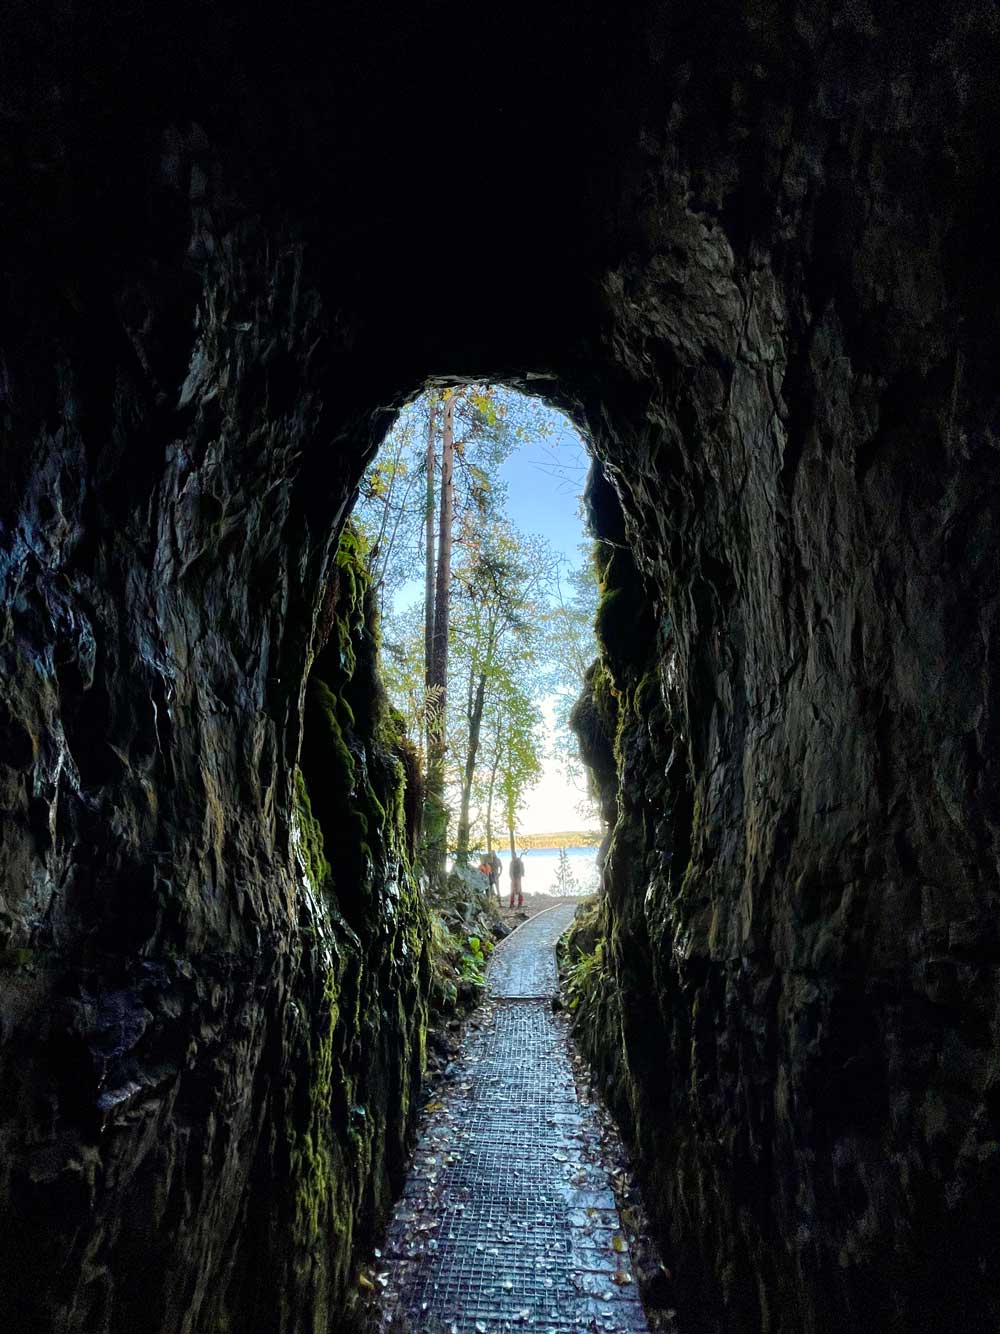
x=533 y=903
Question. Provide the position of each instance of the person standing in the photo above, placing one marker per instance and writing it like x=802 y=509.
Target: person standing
x=516 y=873
x=496 y=869
x=486 y=871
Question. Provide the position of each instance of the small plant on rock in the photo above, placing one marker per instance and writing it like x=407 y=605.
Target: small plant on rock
x=474 y=959
x=565 y=879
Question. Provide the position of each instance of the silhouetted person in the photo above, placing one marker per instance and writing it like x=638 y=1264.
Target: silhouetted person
x=516 y=877
x=496 y=868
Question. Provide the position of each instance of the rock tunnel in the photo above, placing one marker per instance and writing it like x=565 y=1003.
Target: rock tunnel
x=747 y=246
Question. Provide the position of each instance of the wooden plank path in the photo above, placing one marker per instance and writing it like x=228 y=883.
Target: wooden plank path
x=507 y=1222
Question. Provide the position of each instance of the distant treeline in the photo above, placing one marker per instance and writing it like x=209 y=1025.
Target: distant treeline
x=575 y=838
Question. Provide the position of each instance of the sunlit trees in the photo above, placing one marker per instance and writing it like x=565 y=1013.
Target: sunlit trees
x=570 y=650
x=520 y=757
x=472 y=611
x=499 y=612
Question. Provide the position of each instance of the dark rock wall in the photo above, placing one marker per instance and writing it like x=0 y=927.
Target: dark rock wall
x=748 y=246
x=208 y=1063
x=797 y=1008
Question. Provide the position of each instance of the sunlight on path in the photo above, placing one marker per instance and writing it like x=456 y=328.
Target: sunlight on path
x=507 y=1222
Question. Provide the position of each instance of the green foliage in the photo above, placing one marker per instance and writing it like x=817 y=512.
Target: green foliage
x=584 y=977
x=474 y=959
x=490 y=421
x=496 y=631
x=583 y=962
x=459 y=957
x=444 y=970
x=520 y=755
x=571 y=642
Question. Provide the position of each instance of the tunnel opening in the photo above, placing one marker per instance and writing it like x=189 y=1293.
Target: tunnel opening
x=495 y=538
x=484 y=572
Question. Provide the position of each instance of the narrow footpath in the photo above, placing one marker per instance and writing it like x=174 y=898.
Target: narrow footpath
x=507 y=1222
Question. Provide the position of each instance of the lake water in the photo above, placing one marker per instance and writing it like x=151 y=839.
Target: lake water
x=541 y=865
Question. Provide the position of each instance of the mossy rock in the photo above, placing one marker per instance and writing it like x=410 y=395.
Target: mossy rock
x=317 y=867
x=356 y=762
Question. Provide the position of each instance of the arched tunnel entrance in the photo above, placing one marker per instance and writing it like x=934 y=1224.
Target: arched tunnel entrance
x=751 y=251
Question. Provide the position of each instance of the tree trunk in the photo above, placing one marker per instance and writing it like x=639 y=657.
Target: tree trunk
x=489 y=800
x=475 y=726
x=429 y=557
x=435 y=810
x=442 y=598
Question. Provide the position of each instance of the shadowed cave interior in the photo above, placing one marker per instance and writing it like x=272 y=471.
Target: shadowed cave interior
x=747 y=248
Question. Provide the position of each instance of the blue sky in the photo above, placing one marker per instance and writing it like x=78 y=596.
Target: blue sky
x=545 y=479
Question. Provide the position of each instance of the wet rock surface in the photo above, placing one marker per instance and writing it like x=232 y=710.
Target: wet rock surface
x=507 y=1221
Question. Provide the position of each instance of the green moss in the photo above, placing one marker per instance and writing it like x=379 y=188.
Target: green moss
x=621 y=614
x=348 y=659
x=647 y=694
x=325 y=707
x=605 y=621
x=581 y=956
x=604 y=694
x=375 y=806
x=603 y=554
x=618 y=613
x=311 y=836
x=312 y=1148
x=362 y=1046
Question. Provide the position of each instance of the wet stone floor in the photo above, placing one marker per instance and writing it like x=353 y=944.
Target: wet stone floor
x=507 y=1222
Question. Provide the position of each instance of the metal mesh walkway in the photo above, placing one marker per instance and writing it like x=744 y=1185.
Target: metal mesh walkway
x=507 y=1222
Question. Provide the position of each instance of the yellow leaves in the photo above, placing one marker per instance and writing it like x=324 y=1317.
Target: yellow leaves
x=621 y=1278
x=365 y=1283
x=618 y=1244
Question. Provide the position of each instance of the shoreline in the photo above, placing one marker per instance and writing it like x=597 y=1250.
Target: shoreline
x=574 y=838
